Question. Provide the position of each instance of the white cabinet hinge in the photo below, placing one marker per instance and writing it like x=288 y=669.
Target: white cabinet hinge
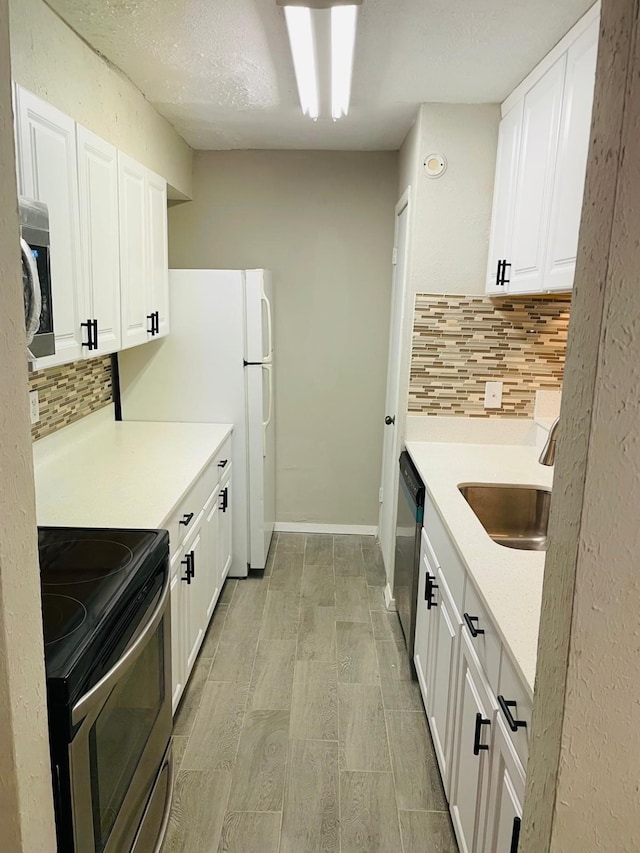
x=394 y=257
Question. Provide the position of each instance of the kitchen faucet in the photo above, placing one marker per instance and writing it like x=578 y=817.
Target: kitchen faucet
x=548 y=455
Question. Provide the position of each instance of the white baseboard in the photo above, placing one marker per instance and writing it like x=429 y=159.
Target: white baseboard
x=389 y=600
x=338 y=529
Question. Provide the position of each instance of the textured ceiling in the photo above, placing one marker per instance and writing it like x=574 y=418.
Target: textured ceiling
x=221 y=72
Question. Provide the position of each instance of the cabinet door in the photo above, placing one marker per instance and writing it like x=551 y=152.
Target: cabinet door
x=158 y=260
x=536 y=164
x=48 y=172
x=133 y=251
x=211 y=553
x=474 y=718
x=177 y=639
x=504 y=196
x=568 y=188
x=443 y=662
x=226 y=528
x=425 y=620
x=100 y=241
x=196 y=592
x=506 y=794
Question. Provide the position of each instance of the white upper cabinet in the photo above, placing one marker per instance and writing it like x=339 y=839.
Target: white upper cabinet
x=540 y=169
x=575 y=128
x=158 y=252
x=48 y=172
x=144 y=261
x=99 y=239
x=534 y=184
x=136 y=325
x=504 y=199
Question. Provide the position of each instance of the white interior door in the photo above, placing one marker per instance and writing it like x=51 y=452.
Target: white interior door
x=390 y=447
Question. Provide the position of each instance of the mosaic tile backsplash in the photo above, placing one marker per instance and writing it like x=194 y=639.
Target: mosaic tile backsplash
x=70 y=392
x=461 y=342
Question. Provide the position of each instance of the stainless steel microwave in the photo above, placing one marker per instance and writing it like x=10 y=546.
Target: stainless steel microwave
x=36 y=277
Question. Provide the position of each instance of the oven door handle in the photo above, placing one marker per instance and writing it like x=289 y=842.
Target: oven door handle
x=100 y=691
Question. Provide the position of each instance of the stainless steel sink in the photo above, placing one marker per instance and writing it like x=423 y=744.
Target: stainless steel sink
x=513 y=516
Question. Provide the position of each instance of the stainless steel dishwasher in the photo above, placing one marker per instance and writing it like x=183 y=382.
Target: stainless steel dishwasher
x=407 y=558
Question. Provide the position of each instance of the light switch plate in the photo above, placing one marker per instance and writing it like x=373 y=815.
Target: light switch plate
x=34 y=407
x=493 y=395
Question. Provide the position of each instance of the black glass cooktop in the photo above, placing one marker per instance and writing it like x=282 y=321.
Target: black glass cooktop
x=96 y=585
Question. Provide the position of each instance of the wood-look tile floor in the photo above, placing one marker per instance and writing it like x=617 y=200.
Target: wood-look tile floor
x=300 y=730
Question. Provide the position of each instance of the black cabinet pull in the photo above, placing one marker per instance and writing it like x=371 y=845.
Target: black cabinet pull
x=390 y=420
x=186 y=519
x=430 y=602
x=187 y=562
x=499 y=274
x=515 y=835
x=152 y=330
x=224 y=495
x=222 y=463
x=505 y=280
x=156 y=315
x=505 y=706
x=192 y=559
x=480 y=722
x=472 y=628
x=427 y=590
x=95 y=334
x=89 y=327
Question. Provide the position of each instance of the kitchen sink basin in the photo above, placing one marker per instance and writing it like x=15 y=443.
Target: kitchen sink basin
x=513 y=516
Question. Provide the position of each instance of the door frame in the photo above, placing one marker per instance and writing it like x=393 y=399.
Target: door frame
x=396 y=360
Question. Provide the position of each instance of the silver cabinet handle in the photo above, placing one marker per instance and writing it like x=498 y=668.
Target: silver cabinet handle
x=100 y=691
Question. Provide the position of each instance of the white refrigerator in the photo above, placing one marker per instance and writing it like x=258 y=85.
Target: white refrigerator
x=216 y=365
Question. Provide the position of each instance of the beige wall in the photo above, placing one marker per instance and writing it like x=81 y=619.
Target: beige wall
x=52 y=62
x=451 y=214
x=323 y=222
x=26 y=807
x=582 y=785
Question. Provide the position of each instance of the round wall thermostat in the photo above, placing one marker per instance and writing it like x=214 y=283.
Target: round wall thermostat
x=435 y=165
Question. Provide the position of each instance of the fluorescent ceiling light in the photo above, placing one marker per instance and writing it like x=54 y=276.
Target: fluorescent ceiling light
x=343 y=39
x=322 y=34
x=300 y=29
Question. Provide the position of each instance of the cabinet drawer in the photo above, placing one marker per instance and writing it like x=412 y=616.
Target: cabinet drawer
x=222 y=460
x=186 y=516
x=447 y=557
x=487 y=646
x=513 y=690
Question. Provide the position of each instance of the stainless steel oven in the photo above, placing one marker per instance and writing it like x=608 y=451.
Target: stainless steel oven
x=109 y=689
x=124 y=725
x=409 y=517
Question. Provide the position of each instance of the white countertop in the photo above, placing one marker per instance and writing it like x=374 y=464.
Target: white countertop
x=508 y=581
x=102 y=473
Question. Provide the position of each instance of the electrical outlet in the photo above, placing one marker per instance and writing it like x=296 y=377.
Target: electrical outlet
x=493 y=395
x=34 y=406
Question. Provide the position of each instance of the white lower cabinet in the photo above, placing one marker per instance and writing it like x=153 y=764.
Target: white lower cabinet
x=478 y=709
x=506 y=795
x=200 y=545
x=472 y=750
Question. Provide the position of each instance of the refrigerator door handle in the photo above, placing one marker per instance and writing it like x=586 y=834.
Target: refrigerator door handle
x=265 y=424
x=266 y=301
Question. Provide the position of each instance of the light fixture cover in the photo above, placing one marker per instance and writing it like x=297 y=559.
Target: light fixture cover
x=303 y=17
x=300 y=28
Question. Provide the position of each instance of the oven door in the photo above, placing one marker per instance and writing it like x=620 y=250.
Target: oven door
x=124 y=730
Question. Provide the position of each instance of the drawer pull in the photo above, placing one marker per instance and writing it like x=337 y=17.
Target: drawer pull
x=505 y=706
x=515 y=835
x=222 y=463
x=472 y=628
x=224 y=497
x=480 y=722
x=186 y=519
x=152 y=330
